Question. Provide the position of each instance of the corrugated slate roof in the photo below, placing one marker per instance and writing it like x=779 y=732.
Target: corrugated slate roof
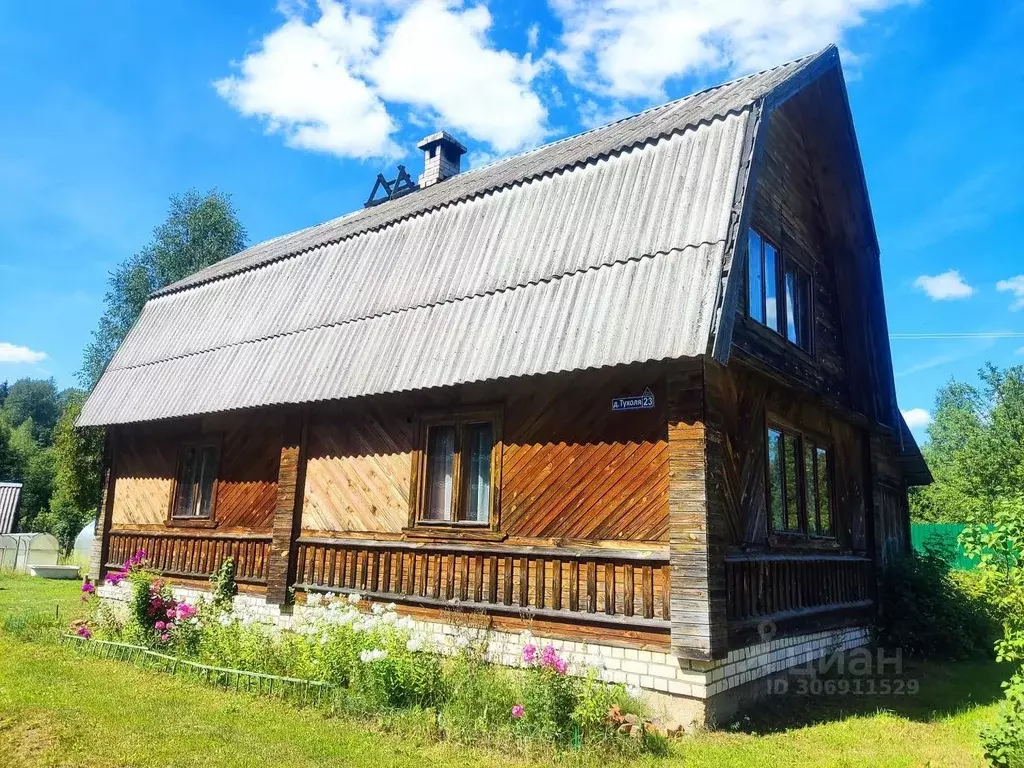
x=602 y=249
x=9 y=495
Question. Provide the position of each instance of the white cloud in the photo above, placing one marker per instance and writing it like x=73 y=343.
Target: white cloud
x=328 y=84
x=948 y=285
x=532 y=36
x=593 y=115
x=631 y=49
x=1014 y=285
x=306 y=81
x=12 y=353
x=437 y=57
x=917 y=418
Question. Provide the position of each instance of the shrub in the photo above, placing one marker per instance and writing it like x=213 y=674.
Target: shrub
x=383 y=667
x=223 y=585
x=998 y=543
x=928 y=612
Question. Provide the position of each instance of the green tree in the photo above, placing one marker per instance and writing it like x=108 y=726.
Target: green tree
x=34 y=399
x=5 y=388
x=77 y=463
x=200 y=230
x=33 y=468
x=9 y=469
x=975 y=449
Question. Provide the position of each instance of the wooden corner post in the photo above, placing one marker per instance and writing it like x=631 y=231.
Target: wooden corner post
x=288 y=512
x=697 y=534
x=101 y=538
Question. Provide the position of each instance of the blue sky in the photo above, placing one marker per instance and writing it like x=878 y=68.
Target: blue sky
x=293 y=108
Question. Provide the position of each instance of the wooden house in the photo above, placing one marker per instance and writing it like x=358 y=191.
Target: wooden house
x=631 y=389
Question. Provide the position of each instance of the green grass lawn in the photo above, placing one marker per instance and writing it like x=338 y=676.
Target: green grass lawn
x=60 y=709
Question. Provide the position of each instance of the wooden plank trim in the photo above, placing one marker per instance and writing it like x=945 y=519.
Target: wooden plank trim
x=514 y=610
x=652 y=557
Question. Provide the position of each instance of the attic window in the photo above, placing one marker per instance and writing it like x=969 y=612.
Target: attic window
x=778 y=291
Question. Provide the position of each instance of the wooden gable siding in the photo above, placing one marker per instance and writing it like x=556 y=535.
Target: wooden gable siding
x=747 y=400
x=786 y=208
x=571 y=468
x=796 y=585
x=146 y=461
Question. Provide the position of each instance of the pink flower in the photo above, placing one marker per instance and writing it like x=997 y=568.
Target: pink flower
x=84 y=631
x=518 y=710
x=529 y=653
x=170 y=613
x=165 y=637
x=159 y=625
x=186 y=611
x=88 y=588
x=561 y=666
x=548 y=656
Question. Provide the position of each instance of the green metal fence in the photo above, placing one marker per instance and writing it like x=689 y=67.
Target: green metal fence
x=944 y=536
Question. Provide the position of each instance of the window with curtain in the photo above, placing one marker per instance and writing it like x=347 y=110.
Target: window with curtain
x=196 y=480
x=778 y=291
x=458 y=462
x=799 y=484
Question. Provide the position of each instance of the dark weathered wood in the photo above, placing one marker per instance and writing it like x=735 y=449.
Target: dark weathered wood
x=288 y=510
x=101 y=546
x=697 y=517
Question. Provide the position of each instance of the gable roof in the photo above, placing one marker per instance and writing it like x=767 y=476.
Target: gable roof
x=9 y=495
x=606 y=248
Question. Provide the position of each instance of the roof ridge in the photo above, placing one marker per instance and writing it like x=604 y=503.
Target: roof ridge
x=194 y=281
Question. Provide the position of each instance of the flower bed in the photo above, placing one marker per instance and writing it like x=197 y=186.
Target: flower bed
x=376 y=661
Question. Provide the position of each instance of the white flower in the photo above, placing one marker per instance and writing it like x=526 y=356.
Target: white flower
x=368 y=657
x=324 y=639
x=225 y=620
x=325 y=600
x=405 y=622
x=634 y=691
x=390 y=607
x=389 y=618
x=194 y=620
x=377 y=609
x=354 y=598
x=314 y=599
x=414 y=644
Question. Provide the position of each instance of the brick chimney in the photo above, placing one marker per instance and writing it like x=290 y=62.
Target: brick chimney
x=441 y=157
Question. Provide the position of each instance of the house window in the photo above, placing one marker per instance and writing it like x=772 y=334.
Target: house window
x=799 y=484
x=778 y=291
x=196 y=481
x=798 y=310
x=458 y=465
